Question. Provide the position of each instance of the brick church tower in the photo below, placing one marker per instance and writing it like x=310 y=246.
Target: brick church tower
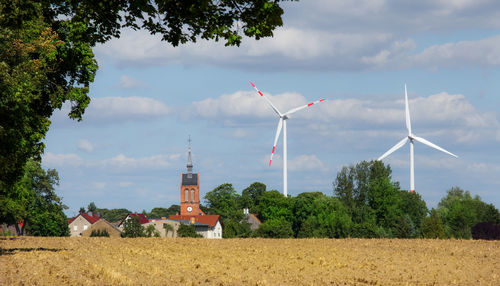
x=190 y=190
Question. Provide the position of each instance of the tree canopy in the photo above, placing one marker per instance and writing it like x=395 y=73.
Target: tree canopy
x=46 y=57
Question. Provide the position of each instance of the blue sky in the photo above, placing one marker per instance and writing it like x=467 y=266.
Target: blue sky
x=131 y=146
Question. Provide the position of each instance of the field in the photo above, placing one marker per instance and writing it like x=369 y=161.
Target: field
x=161 y=261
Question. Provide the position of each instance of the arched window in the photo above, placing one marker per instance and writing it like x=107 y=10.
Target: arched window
x=186 y=194
x=192 y=195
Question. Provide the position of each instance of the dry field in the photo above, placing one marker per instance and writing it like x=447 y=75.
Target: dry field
x=177 y=261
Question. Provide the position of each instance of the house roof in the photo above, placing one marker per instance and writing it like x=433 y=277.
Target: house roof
x=90 y=218
x=142 y=218
x=210 y=220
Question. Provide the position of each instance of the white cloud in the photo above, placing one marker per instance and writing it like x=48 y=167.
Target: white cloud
x=107 y=110
x=85 y=145
x=127 y=82
x=117 y=163
x=60 y=160
x=99 y=185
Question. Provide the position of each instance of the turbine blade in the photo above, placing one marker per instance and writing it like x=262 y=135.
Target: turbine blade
x=302 y=107
x=430 y=144
x=407 y=112
x=278 y=131
x=267 y=99
x=394 y=148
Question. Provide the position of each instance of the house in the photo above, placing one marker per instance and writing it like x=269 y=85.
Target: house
x=251 y=219
x=142 y=219
x=166 y=227
x=102 y=225
x=209 y=226
x=81 y=223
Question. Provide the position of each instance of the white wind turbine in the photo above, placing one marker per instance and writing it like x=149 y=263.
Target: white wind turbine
x=282 y=124
x=412 y=137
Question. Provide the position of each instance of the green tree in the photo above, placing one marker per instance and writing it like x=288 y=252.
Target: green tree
x=250 y=196
x=99 y=233
x=329 y=218
x=460 y=211
x=275 y=228
x=414 y=209
x=151 y=231
x=273 y=205
x=114 y=215
x=187 y=231
x=92 y=208
x=432 y=226
x=224 y=201
x=164 y=212
x=82 y=210
x=133 y=228
x=46 y=58
x=42 y=210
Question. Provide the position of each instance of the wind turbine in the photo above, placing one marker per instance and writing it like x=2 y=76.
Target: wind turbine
x=412 y=137
x=282 y=124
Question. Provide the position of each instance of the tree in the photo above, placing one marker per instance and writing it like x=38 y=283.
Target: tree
x=99 y=233
x=114 y=214
x=224 y=201
x=133 y=228
x=164 y=212
x=42 y=210
x=432 y=226
x=151 y=231
x=275 y=228
x=460 y=211
x=250 y=196
x=273 y=205
x=82 y=210
x=187 y=231
x=414 y=209
x=46 y=58
x=92 y=208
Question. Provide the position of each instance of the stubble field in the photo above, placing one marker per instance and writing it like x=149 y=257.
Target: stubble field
x=182 y=261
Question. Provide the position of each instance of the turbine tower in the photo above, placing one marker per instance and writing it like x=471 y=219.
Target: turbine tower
x=282 y=124
x=412 y=137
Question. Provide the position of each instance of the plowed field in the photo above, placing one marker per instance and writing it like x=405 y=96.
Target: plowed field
x=159 y=261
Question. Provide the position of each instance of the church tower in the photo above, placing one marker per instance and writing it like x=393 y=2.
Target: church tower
x=190 y=189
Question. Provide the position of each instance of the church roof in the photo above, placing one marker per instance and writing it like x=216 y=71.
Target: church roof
x=210 y=220
x=187 y=181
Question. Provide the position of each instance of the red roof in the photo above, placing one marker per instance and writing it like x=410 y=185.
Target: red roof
x=90 y=218
x=142 y=218
x=211 y=220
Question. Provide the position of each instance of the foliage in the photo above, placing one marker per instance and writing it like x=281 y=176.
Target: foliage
x=460 y=212
x=82 y=210
x=99 y=233
x=113 y=214
x=486 y=230
x=187 y=231
x=275 y=228
x=250 y=196
x=164 y=212
x=41 y=209
x=224 y=201
x=151 y=231
x=432 y=226
x=46 y=59
x=92 y=208
x=168 y=229
x=133 y=228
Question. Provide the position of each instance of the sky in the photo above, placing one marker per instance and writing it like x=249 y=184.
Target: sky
x=149 y=97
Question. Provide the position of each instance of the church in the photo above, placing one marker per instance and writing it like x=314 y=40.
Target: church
x=209 y=226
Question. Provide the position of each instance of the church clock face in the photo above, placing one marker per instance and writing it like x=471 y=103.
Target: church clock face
x=189 y=209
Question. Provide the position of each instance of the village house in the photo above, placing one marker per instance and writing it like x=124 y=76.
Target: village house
x=209 y=226
x=142 y=219
x=166 y=227
x=82 y=222
x=102 y=225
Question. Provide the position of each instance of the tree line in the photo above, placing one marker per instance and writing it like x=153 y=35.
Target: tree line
x=365 y=203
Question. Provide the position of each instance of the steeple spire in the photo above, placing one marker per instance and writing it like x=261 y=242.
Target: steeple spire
x=190 y=163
